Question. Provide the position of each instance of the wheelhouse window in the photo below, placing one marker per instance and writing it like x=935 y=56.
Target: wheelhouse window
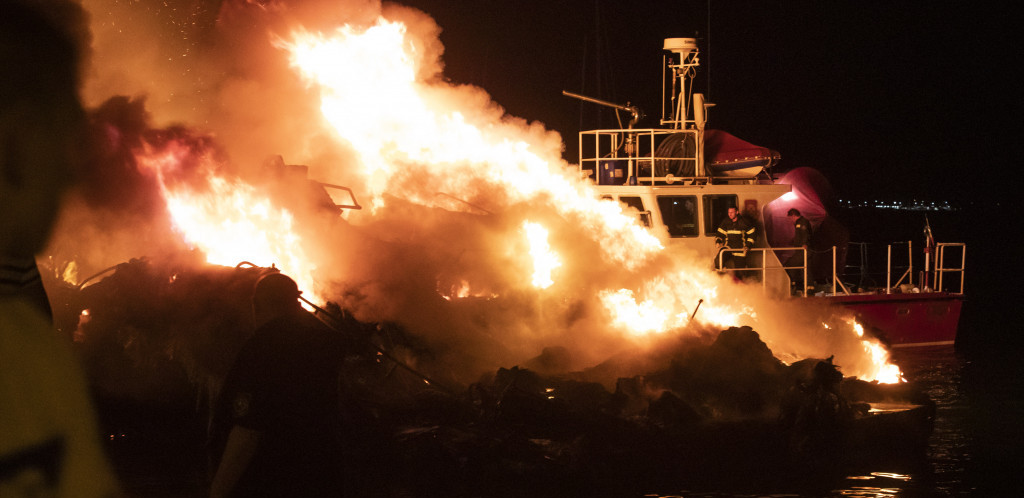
x=680 y=214
x=638 y=204
x=715 y=210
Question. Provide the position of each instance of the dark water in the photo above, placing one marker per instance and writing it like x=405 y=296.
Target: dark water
x=974 y=450
x=978 y=386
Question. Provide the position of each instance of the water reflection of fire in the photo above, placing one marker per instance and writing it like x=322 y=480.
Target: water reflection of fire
x=407 y=134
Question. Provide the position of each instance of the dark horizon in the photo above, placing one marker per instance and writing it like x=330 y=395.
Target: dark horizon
x=892 y=101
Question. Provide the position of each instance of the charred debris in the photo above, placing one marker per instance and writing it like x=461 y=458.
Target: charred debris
x=157 y=339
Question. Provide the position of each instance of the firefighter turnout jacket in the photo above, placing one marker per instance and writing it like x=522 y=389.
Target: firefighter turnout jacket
x=735 y=234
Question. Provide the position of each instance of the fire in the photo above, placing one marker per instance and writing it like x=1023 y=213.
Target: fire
x=681 y=290
x=885 y=372
x=229 y=221
x=368 y=74
x=375 y=101
x=544 y=261
x=463 y=290
x=414 y=135
x=638 y=318
x=70 y=273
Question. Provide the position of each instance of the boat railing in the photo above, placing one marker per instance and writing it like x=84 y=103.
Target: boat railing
x=343 y=194
x=642 y=156
x=908 y=273
x=762 y=270
x=861 y=263
x=837 y=282
x=940 y=264
x=950 y=259
x=905 y=279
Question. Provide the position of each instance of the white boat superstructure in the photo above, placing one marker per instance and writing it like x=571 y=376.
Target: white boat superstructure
x=663 y=175
x=681 y=179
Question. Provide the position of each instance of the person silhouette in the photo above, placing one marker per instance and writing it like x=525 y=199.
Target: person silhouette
x=49 y=441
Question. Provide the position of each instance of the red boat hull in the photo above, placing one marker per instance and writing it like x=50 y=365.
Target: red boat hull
x=907 y=320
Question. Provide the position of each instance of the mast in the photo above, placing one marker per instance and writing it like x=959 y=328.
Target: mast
x=682 y=73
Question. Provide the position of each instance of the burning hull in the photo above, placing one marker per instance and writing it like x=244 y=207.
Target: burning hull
x=906 y=320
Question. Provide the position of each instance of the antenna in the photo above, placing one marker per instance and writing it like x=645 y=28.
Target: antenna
x=682 y=73
x=707 y=72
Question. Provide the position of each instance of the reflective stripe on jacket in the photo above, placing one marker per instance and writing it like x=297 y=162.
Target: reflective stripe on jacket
x=736 y=234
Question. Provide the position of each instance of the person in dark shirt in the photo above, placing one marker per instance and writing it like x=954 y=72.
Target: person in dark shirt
x=801 y=237
x=276 y=426
x=734 y=232
x=49 y=437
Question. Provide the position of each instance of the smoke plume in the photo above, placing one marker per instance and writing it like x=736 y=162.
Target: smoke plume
x=185 y=94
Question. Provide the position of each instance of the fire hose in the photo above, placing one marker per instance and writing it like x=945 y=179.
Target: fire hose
x=320 y=311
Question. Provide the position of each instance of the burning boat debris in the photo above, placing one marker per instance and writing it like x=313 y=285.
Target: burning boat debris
x=551 y=262
x=502 y=319
x=695 y=405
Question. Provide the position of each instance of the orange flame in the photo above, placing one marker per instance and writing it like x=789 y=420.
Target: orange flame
x=371 y=97
x=376 y=99
x=885 y=372
x=415 y=135
x=544 y=261
x=230 y=221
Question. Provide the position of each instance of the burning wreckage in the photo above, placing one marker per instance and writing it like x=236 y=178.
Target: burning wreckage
x=700 y=405
x=583 y=397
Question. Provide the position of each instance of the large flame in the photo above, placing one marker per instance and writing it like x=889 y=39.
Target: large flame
x=376 y=100
x=544 y=261
x=371 y=98
x=413 y=135
x=228 y=219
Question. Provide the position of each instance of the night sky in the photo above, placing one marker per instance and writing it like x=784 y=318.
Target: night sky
x=891 y=100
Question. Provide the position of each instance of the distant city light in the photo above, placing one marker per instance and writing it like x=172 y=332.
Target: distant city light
x=914 y=205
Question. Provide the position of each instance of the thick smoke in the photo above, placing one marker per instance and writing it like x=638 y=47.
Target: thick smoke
x=439 y=250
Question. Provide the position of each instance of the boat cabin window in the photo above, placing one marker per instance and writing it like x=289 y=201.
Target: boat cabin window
x=715 y=207
x=638 y=204
x=680 y=214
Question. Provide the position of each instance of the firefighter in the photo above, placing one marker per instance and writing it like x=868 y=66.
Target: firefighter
x=276 y=428
x=801 y=237
x=734 y=232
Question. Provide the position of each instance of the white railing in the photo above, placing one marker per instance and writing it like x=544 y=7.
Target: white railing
x=907 y=274
x=638 y=149
x=936 y=274
x=940 y=263
x=763 y=270
x=941 y=260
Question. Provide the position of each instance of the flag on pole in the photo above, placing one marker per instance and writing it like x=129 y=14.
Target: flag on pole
x=929 y=244
x=929 y=240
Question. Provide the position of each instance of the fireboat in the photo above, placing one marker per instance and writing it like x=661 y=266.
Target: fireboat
x=680 y=180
